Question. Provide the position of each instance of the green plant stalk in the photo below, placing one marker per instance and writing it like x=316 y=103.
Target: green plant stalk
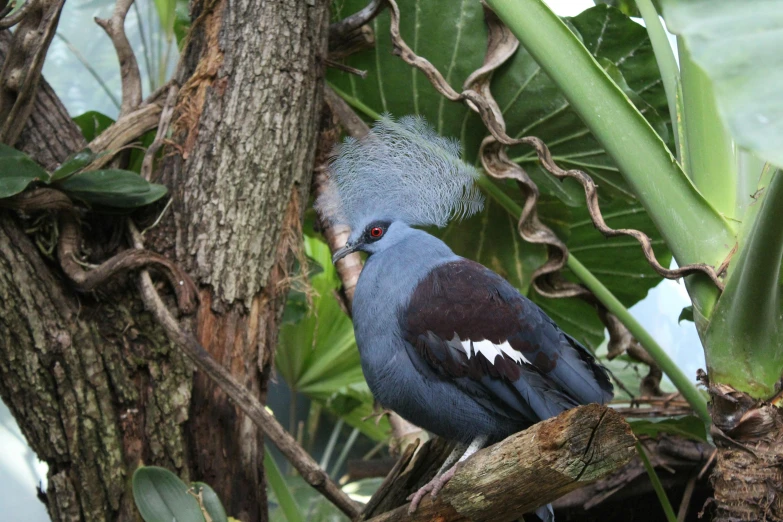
x=711 y=161
x=684 y=385
x=667 y=64
x=345 y=451
x=656 y=484
x=743 y=340
x=276 y=481
x=607 y=298
x=327 y=456
x=672 y=201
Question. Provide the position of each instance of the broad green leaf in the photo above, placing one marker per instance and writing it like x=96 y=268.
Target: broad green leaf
x=737 y=43
x=161 y=496
x=211 y=501
x=533 y=105
x=92 y=123
x=74 y=163
x=689 y=427
x=112 y=188
x=686 y=314
x=455 y=43
x=17 y=171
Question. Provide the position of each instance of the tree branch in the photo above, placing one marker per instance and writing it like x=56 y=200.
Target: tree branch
x=528 y=469
x=22 y=66
x=129 y=67
x=123 y=131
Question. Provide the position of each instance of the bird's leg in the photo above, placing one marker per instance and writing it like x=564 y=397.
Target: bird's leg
x=446 y=471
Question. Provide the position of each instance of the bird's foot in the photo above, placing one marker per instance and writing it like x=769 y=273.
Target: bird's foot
x=432 y=487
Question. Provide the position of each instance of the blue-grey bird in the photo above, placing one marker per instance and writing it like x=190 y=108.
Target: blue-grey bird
x=444 y=342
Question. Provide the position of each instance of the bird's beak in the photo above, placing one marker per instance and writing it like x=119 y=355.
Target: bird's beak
x=344 y=251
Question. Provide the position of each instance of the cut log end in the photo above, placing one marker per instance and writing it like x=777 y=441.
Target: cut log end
x=529 y=469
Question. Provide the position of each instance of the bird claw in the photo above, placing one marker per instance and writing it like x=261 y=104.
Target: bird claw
x=432 y=487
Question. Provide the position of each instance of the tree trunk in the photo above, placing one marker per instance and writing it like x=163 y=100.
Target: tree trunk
x=91 y=379
x=245 y=126
x=748 y=474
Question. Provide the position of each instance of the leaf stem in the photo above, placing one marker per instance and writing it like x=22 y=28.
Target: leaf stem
x=712 y=164
x=667 y=63
x=743 y=339
x=656 y=484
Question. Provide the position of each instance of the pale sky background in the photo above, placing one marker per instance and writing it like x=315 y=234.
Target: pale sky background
x=21 y=472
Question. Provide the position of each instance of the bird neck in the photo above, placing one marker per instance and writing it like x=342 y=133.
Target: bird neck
x=383 y=292
x=389 y=277
x=412 y=257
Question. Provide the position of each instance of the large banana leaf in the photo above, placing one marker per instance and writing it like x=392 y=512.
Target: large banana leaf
x=453 y=37
x=737 y=43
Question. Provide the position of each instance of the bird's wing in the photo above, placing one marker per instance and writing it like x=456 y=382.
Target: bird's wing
x=471 y=326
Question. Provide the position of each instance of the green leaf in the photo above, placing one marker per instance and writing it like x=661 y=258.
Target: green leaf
x=533 y=104
x=643 y=159
x=211 y=501
x=161 y=496
x=112 y=188
x=74 y=163
x=628 y=7
x=686 y=314
x=288 y=506
x=92 y=123
x=181 y=21
x=689 y=427
x=166 y=14
x=737 y=44
x=137 y=154
x=17 y=171
x=663 y=499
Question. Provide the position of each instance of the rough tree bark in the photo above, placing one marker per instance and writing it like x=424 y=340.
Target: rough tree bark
x=91 y=379
x=748 y=474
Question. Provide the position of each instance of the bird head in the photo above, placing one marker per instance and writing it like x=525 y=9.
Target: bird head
x=401 y=174
x=376 y=236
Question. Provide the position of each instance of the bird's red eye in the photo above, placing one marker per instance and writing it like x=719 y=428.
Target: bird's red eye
x=376 y=232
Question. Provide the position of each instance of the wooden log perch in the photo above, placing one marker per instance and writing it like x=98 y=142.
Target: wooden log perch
x=529 y=469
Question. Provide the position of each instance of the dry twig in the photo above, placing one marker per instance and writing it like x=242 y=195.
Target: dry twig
x=7 y=22
x=129 y=67
x=123 y=131
x=344 y=27
x=21 y=72
x=163 y=128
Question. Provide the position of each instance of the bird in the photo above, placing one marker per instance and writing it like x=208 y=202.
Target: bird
x=444 y=342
